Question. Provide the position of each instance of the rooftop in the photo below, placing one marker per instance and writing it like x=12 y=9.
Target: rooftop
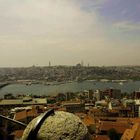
x=120 y=127
x=23 y=102
x=131 y=133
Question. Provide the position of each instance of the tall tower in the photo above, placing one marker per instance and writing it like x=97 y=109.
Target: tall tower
x=49 y=64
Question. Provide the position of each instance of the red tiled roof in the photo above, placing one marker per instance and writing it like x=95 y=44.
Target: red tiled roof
x=133 y=133
x=61 y=109
x=120 y=127
x=24 y=114
x=18 y=133
x=88 y=120
x=101 y=137
x=137 y=134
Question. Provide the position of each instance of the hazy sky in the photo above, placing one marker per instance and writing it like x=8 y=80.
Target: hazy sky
x=65 y=32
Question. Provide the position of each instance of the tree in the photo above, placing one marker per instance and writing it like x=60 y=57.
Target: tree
x=113 y=135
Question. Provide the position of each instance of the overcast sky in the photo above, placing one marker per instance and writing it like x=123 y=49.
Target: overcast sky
x=66 y=32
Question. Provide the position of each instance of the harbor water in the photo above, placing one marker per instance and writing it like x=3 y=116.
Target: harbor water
x=40 y=89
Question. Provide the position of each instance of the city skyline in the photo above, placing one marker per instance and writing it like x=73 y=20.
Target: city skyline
x=99 y=32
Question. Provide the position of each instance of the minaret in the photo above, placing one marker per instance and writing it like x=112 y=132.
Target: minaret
x=49 y=64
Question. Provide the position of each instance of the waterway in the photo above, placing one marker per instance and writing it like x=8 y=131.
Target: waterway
x=40 y=89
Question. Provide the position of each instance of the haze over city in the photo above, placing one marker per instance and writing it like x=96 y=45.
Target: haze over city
x=65 y=32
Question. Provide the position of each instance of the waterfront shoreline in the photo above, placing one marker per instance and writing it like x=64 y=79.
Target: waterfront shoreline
x=41 y=89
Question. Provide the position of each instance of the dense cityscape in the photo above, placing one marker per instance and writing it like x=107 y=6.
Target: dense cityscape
x=69 y=69
x=108 y=114
x=70 y=73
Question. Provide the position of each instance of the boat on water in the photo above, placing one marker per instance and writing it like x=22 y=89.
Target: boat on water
x=121 y=83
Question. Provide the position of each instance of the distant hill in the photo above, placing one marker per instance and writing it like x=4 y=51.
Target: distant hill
x=67 y=73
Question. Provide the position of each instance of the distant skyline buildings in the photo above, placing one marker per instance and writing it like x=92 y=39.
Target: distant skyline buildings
x=65 y=32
